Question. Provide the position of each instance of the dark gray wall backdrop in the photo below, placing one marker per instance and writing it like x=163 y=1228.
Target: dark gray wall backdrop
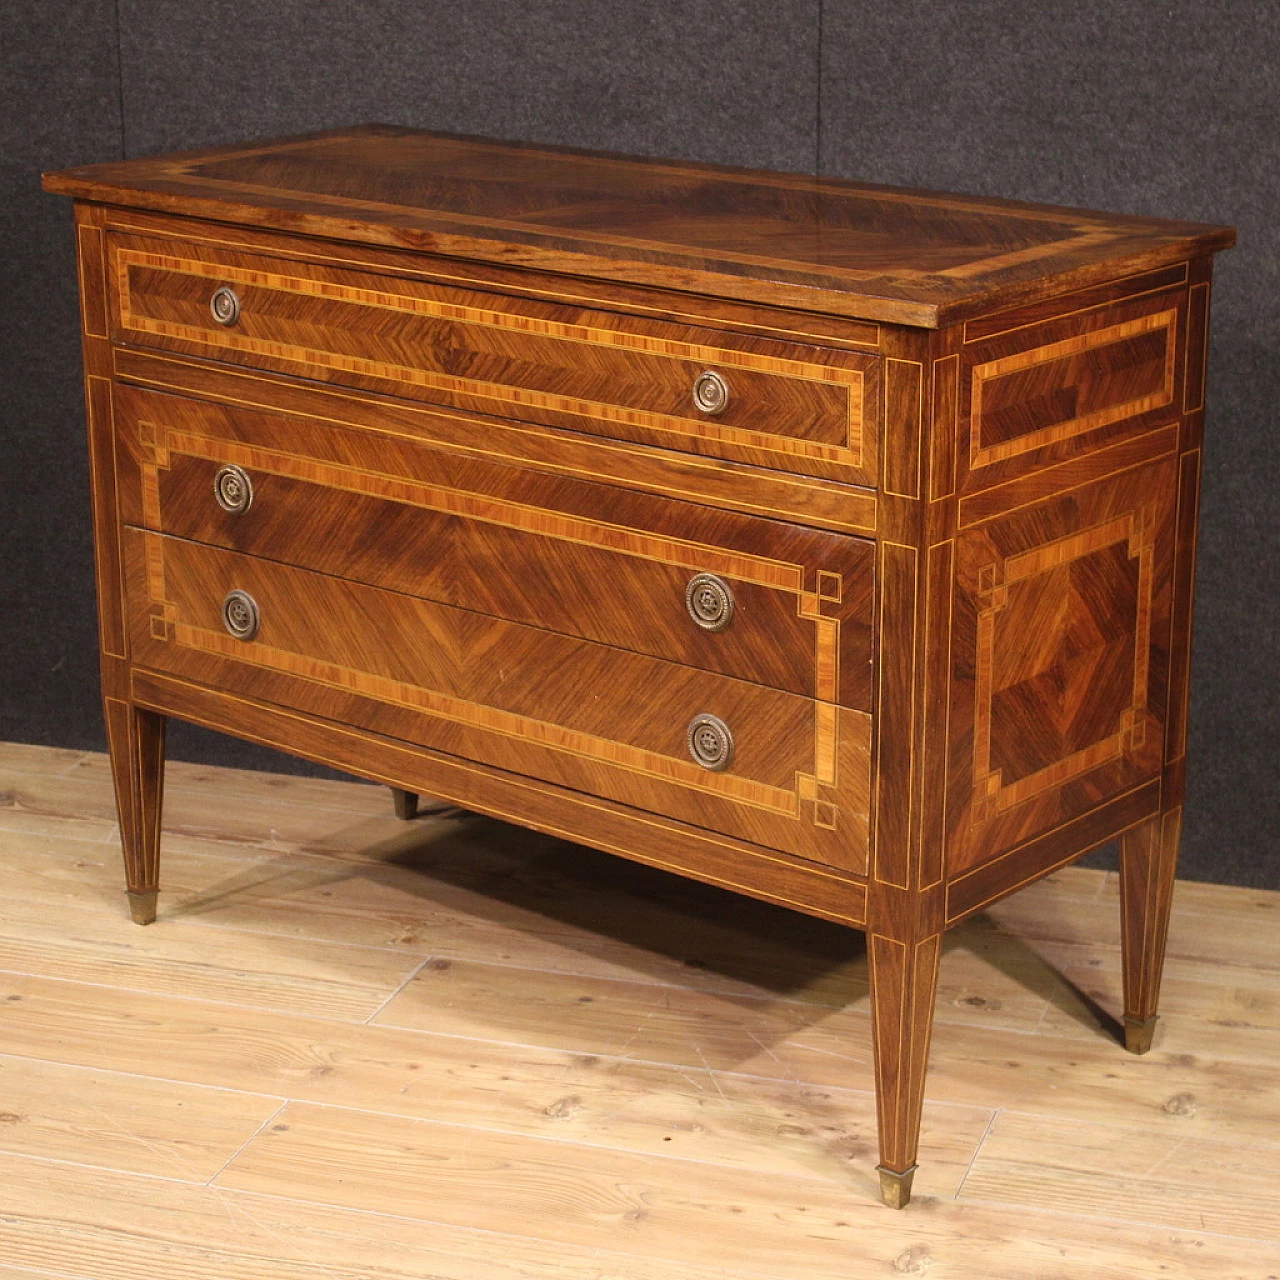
x=1166 y=108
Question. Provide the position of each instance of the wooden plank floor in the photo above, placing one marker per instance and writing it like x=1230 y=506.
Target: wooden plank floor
x=358 y=1049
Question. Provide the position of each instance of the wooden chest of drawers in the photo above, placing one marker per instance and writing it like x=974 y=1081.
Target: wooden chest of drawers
x=830 y=543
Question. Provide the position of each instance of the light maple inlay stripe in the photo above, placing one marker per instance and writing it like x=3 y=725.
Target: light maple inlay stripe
x=552 y=524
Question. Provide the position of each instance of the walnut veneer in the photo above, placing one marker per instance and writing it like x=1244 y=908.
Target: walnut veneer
x=828 y=542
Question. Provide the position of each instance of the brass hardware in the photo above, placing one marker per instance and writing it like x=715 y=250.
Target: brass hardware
x=225 y=305
x=895 y=1188
x=710 y=392
x=710 y=742
x=240 y=615
x=709 y=601
x=233 y=489
x=142 y=906
x=1139 y=1033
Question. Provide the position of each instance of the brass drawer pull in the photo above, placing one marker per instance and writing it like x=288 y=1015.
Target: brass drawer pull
x=710 y=742
x=225 y=305
x=240 y=615
x=233 y=489
x=709 y=601
x=710 y=392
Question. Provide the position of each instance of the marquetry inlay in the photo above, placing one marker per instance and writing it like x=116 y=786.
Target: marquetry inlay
x=815 y=793
x=1042 y=674
x=839 y=440
x=1063 y=389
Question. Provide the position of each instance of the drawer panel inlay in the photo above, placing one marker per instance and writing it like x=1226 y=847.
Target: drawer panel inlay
x=797 y=407
x=1062 y=654
x=573 y=557
x=1041 y=394
x=601 y=720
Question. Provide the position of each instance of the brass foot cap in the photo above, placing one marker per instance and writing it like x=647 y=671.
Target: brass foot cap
x=895 y=1188
x=406 y=803
x=1138 y=1035
x=142 y=906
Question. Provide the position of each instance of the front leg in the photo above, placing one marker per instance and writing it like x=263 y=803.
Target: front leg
x=904 y=983
x=1148 y=863
x=135 y=739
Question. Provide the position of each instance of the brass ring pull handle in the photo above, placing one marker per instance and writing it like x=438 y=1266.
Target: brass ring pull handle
x=225 y=305
x=710 y=392
x=710 y=742
x=240 y=615
x=709 y=601
x=233 y=489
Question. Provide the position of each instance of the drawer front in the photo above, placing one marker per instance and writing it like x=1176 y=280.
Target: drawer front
x=583 y=715
x=787 y=406
x=555 y=552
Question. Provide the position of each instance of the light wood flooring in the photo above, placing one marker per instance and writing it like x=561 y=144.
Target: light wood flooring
x=358 y=1049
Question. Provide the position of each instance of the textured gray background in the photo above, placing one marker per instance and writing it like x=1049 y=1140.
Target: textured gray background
x=1170 y=109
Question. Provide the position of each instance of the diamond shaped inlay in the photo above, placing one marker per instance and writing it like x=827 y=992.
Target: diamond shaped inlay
x=1063 y=638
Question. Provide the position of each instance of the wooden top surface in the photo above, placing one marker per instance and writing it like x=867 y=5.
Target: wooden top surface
x=817 y=244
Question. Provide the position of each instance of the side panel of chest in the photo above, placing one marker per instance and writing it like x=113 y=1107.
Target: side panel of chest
x=1073 y=467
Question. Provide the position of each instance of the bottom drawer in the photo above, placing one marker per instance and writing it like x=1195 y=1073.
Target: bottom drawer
x=583 y=715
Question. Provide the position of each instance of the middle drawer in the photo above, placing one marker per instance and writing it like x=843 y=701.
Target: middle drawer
x=764 y=601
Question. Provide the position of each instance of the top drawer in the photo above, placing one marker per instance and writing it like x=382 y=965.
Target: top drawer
x=787 y=406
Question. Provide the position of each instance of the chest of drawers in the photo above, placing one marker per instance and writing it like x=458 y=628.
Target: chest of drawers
x=830 y=543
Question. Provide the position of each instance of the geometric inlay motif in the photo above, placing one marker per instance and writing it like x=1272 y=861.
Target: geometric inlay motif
x=816 y=795
x=1051 y=393
x=1062 y=671
x=538 y=348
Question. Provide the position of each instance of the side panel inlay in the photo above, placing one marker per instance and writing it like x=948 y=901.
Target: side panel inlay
x=1060 y=659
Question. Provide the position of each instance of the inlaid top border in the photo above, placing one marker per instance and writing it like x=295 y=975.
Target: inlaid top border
x=788 y=240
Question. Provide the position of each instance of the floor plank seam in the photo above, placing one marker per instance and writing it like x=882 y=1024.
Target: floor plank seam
x=244 y=1146
x=179 y=920
x=674 y=1067
x=1159 y=1129
x=1083 y=1216
x=962 y=1024
x=417 y=970
x=69 y=837
x=28 y=1269
x=138 y=1075
x=101 y=1168
x=252 y=851
x=208 y=1000
x=799 y=1176
x=657 y=984
x=181 y=787
x=982 y=1142
x=108 y=832
x=79 y=762
x=494 y=1232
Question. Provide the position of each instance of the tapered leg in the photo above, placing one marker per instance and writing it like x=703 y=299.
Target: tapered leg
x=904 y=982
x=1148 y=864
x=406 y=803
x=135 y=739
